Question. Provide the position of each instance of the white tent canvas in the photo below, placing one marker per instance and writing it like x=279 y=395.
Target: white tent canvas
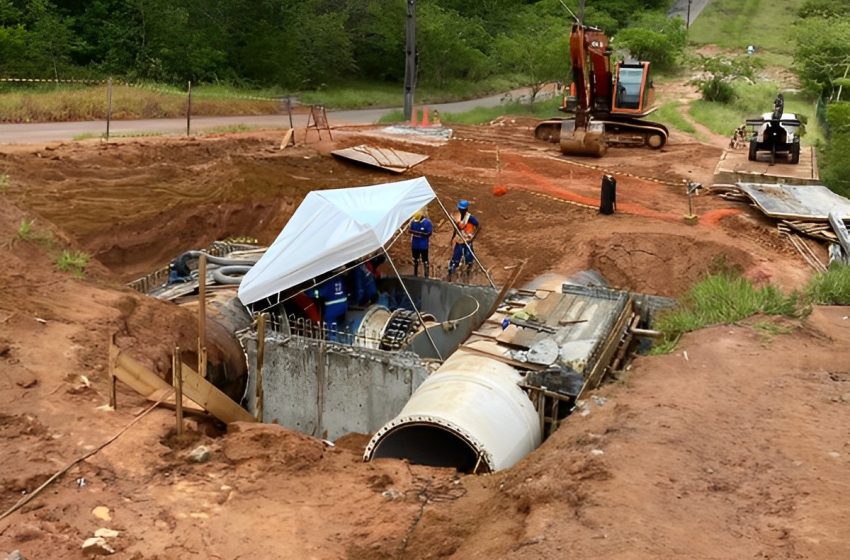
x=330 y=229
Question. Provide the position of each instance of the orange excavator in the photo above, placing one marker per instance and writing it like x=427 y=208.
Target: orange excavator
x=609 y=103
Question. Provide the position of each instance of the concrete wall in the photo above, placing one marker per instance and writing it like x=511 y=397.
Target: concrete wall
x=328 y=390
x=459 y=307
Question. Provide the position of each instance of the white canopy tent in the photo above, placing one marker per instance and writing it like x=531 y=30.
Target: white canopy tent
x=330 y=229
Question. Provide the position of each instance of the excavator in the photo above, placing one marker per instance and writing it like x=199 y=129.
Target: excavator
x=608 y=106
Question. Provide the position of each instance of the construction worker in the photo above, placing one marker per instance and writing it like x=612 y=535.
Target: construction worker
x=468 y=226
x=332 y=294
x=420 y=236
x=778 y=106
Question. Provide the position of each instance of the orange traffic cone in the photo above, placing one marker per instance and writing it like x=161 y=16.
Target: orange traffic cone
x=413 y=117
x=425 y=121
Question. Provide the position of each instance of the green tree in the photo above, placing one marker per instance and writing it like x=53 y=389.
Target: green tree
x=449 y=46
x=656 y=38
x=823 y=52
x=539 y=61
x=50 y=40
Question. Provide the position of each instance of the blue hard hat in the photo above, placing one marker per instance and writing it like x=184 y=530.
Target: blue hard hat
x=463 y=205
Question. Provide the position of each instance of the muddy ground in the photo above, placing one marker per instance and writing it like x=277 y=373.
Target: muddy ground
x=734 y=446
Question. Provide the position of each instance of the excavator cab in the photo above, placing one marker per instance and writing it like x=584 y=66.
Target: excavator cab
x=633 y=90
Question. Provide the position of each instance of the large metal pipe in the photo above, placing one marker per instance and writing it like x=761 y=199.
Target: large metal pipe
x=470 y=414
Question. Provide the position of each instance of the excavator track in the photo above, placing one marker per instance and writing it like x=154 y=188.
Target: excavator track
x=625 y=132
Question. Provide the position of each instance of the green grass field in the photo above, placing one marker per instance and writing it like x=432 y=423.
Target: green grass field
x=734 y=24
x=669 y=114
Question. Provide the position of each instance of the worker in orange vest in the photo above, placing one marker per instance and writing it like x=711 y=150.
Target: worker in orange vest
x=468 y=227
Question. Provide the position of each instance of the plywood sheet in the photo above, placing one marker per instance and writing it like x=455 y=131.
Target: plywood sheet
x=388 y=159
x=810 y=202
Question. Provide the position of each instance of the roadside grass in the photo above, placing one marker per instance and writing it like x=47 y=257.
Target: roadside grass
x=548 y=108
x=726 y=297
x=225 y=129
x=74 y=262
x=395 y=116
x=359 y=94
x=734 y=24
x=480 y=115
x=721 y=298
x=229 y=129
x=831 y=287
x=74 y=103
x=4 y=183
x=22 y=103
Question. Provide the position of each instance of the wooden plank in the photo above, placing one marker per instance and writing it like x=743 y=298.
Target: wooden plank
x=287 y=139
x=595 y=377
x=169 y=402
x=507 y=287
x=202 y=311
x=212 y=399
x=113 y=397
x=261 y=350
x=137 y=376
x=205 y=394
x=177 y=376
x=145 y=382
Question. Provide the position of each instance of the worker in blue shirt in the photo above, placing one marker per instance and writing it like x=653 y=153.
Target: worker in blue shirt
x=420 y=236
x=332 y=293
x=468 y=227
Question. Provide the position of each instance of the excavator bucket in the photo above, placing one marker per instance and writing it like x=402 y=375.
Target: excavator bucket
x=588 y=141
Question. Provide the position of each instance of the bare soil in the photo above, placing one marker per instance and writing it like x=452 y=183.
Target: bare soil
x=735 y=446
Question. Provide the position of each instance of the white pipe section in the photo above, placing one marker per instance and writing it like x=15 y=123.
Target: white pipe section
x=476 y=400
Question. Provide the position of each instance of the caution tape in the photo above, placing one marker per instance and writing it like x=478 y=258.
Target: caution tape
x=51 y=81
x=148 y=87
x=590 y=166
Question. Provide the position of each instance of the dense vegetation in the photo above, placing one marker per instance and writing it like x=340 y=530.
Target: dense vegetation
x=822 y=59
x=303 y=44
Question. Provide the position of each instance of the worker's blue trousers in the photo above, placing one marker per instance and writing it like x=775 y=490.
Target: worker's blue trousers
x=461 y=250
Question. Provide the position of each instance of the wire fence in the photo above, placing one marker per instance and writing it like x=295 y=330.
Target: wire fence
x=282 y=104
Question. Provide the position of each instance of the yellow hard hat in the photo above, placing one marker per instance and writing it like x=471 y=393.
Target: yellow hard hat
x=418 y=215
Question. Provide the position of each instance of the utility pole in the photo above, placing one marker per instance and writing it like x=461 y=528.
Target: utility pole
x=410 y=60
x=688 y=23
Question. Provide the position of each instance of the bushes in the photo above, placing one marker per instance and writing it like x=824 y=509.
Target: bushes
x=727 y=297
x=831 y=287
x=718 y=299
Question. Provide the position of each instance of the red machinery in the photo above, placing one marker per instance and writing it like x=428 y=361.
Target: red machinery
x=608 y=106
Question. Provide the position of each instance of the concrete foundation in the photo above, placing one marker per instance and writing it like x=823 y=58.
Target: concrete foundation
x=328 y=390
x=734 y=167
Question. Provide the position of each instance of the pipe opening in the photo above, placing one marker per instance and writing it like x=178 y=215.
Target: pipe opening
x=431 y=445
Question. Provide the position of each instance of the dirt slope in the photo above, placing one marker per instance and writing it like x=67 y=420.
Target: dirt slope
x=729 y=453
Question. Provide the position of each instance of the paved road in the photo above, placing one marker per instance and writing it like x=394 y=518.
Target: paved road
x=680 y=8
x=51 y=132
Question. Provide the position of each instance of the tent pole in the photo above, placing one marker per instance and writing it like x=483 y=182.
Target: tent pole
x=421 y=320
x=460 y=236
